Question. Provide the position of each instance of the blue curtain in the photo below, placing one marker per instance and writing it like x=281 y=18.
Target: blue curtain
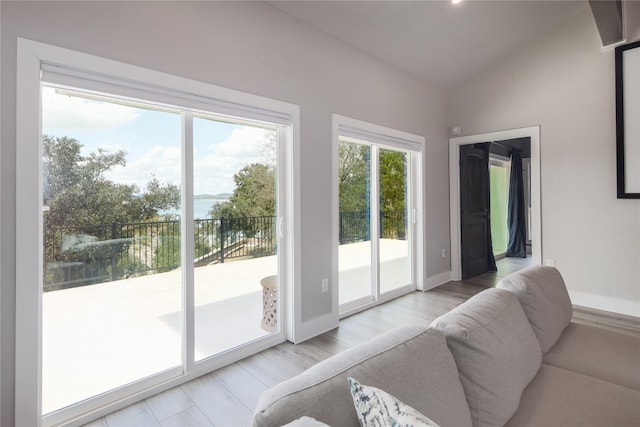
x=516 y=220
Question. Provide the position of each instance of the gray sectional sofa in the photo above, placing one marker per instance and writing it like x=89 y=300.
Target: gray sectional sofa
x=508 y=356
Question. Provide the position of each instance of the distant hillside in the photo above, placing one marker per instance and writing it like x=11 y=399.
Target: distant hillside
x=221 y=196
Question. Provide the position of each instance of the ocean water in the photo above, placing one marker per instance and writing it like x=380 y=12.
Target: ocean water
x=201 y=208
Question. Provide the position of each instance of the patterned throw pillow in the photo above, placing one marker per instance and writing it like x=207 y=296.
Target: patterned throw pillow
x=305 y=422
x=377 y=408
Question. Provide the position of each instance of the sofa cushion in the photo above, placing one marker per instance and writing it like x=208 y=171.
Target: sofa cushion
x=412 y=363
x=376 y=407
x=562 y=398
x=601 y=353
x=496 y=352
x=544 y=297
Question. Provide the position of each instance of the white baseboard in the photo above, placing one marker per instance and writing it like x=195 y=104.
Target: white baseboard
x=605 y=303
x=606 y=319
x=437 y=280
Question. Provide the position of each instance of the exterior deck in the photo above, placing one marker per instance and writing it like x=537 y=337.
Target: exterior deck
x=100 y=337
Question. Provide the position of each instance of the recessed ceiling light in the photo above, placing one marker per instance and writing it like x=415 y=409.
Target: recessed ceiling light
x=456 y=1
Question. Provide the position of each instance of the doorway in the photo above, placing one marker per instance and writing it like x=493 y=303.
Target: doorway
x=110 y=313
x=455 y=145
x=377 y=226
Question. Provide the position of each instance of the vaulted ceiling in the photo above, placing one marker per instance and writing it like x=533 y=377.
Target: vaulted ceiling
x=441 y=42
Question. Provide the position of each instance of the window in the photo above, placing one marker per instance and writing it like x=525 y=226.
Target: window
x=112 y=291
x=379 y=175
x=160 y=206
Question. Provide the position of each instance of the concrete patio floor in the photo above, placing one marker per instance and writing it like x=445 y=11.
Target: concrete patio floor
x=100 y=337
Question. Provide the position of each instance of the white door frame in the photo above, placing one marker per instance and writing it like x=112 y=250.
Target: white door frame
x=191 y=95
x=532 y=132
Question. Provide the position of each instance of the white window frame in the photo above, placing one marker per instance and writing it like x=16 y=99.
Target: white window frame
x=97 y=73
x=358 y=130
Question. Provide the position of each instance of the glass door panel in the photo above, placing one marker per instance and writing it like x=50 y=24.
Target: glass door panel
x=395 y=254
x=499 y=181
x=112 y=295
x=235 y=211
x=355 y=250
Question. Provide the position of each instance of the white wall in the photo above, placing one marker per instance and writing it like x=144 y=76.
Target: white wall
x=632 y=20
x=252 y=47
x=565 y=84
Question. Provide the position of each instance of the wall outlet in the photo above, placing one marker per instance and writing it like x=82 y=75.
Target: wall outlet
x=444 y=253
x=550 y=262
x=325 y=285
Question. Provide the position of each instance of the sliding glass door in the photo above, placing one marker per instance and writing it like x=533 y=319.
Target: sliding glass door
x=161 y=227
x=235 y=248
x=355 y=244
x=376 y=243
x=112 y=292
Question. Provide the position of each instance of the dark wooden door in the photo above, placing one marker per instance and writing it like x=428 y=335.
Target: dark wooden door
x=474 y=209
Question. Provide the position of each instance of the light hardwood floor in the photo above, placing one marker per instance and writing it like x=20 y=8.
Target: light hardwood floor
x=227 y=397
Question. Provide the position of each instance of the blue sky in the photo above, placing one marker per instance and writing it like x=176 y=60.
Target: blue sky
x=152 y=141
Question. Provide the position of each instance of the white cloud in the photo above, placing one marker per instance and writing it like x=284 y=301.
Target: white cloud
x=161 y=162
x=69 y=112
x=214 y=164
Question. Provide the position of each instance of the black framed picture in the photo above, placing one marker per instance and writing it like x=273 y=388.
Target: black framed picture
x=627 y=60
